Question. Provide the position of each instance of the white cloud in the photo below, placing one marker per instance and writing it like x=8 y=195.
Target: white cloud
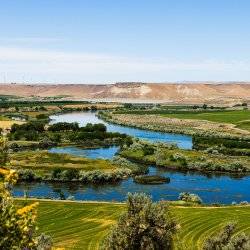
x=20 y=63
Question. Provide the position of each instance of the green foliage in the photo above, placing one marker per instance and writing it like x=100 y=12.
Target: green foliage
x=29 y=126
x=178 y=157
x=188 y=197
x=69 y=174
x=151 y=179
x=170 y=157
x=145 y=225
x=29 y=131
x=148 y=150
x=18 y=227
x=205 y=142
x=225 y=240
x=42 y=116
x=27 y=175
x=4 y=156
x=64 y=126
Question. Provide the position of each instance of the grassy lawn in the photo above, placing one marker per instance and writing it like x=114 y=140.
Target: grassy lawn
x=83 y=225
x=234 y=117
x=43 y=160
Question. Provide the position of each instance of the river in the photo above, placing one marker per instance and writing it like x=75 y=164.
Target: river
x=211 y=188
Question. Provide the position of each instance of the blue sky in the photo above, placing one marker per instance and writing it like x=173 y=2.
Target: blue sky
x=124 y=40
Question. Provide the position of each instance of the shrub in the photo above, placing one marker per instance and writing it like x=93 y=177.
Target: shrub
x=4 y=157
x=180 y=158
x=243 y=203
x=225 y=240
x=17 y=229
x=145 y=226
x=64 y=126
x=27 y=175
x=44 y=242
x=42 y=116
x=56 y=173
x=185 y=196
x=70 y=174
x=151 y=179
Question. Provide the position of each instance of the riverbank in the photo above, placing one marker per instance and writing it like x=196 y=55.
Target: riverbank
x=185 y=160
x=83 y=225
x=176 y=125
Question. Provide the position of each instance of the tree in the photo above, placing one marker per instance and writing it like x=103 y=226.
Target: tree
x=145 y=225
x=204 y=106
x=225 y=240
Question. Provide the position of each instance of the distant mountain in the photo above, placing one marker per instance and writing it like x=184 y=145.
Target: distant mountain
x=179 y=93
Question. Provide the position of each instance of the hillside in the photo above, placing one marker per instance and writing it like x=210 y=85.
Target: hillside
x=179 y=93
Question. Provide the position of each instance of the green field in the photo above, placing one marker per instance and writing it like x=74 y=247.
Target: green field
x=43 y=160
x=234 y=117
x=75 y=225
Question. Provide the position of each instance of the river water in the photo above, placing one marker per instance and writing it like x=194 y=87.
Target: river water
x=182 y=141
x=211 y=188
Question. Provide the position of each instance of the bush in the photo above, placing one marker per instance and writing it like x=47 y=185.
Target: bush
x=42 y=117
x=37 y=126
x=225 y=240
x=27 y=175
x=64 y=126
x=70 y=174
x=243 y=203
x=18 y=228
x=188 y=197
x=145 y=226
x=56 y=173
x=179 y=158
x=151 y=179
x=44 y=242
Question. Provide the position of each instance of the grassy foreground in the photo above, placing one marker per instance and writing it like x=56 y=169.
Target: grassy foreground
x=75 y=225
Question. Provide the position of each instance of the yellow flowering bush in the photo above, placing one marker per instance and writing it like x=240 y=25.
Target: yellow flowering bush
x=17 y=225
x=3 y=151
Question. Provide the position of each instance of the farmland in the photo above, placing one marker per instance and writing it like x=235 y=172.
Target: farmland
x=83 y=225
x=219 y=123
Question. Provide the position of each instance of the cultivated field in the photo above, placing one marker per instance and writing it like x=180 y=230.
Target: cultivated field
x=239 y=117
x=75 y=225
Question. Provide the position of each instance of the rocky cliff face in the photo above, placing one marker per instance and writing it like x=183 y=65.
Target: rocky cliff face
x=180 y=93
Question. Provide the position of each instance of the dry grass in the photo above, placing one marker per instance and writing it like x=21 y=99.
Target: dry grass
x=8 y=124
x=186 y=126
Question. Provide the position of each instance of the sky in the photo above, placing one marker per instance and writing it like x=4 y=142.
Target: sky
x=96 y=41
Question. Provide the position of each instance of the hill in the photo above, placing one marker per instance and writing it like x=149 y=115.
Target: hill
x=172 y=93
